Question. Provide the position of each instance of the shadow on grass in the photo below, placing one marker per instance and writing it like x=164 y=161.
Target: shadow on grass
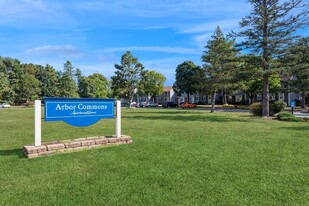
x=162 y=112
x=301 y=128
x=12 y=152
x=190 y=117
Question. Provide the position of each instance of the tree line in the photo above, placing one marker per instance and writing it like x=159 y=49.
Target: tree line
x=21 y=83
x=272 y=55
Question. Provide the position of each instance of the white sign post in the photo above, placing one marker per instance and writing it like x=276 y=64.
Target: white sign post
x=37 y=123
x=118 y=118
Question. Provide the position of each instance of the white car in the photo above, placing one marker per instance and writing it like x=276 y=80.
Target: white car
x=5 y=105
x=153 y=104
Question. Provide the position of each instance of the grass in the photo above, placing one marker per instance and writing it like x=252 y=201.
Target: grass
x=178 y=157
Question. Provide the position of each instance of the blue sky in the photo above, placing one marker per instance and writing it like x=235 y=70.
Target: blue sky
x=93 y=34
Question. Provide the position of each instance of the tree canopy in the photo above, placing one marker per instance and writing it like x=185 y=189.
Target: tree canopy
x=152 y=83
x=296 y=62
x=186 y=76
x=220 y=63
x=127 y=77
x=268 y=30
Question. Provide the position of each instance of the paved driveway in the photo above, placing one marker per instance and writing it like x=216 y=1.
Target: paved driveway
x=301 y=114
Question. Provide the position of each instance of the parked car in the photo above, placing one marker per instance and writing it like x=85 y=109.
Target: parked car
x=5 y=105
x=153 y=104
x=143 y=104
x=187 y=105
x=169 y=104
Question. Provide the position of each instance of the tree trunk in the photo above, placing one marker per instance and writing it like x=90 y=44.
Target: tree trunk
x=303 y=101
x=137 y=99
x=265 y=111
x=130 y=98
x=128 y=102
x=224 y=98
x=266 y=60
x=188 y=96
x=251 y=98
x=213 y=101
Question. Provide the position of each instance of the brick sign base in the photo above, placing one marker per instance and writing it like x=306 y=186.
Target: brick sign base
x=50 y=148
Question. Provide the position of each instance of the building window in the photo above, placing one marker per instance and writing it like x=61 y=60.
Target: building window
x=204 y=98
x=258 y=97
x=272 y=97
x=238 y=98
x=197 y=98
x=281 y=96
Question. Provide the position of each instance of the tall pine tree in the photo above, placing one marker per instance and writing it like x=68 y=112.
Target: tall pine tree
x=127 y=77
x=297 y=62
x=68 y=87
x=268 y=30
x=220 y=61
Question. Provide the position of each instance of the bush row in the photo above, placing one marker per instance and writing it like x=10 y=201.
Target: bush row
x=274 y=107
x=287 y=116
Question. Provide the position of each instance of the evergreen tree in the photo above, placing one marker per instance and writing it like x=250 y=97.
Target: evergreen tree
x=49 y=81
x=250 y=76
x=220 y=64
x=68 y=87
x=127 y=77
x=297 y=63
x=15 y=74
x=268 y=31
x=5 y=89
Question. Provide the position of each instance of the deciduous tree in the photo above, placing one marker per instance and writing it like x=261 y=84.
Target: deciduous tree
x=30 y=88
x=186 y=74
x=152 y=83
x=93 y=86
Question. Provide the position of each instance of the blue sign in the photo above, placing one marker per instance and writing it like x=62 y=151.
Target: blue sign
x=77 y=111
x=293 y=104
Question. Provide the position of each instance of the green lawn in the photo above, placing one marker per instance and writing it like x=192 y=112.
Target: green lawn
x=178 y=157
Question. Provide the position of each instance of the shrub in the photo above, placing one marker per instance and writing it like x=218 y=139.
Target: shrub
x=274 y=107
x=277 y=106
x=286 y=116
x=256 y=108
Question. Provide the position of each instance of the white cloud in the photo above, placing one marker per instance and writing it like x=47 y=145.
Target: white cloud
x=210 y=26
x=55 y=50
x=202 y=39
x=176 y=50
x=154 y=8
x=154 y=27
x=29 y=13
